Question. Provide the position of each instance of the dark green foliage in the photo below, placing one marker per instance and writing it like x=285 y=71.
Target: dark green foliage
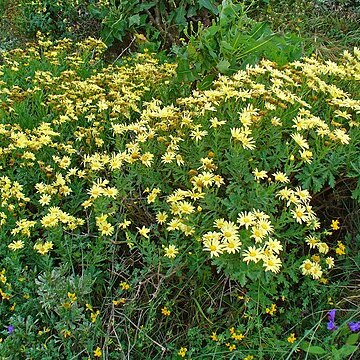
x=161 y=22
x=232 y=41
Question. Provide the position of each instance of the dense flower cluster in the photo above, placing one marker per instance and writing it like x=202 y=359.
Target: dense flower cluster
x=94 y=129
x=117 y=158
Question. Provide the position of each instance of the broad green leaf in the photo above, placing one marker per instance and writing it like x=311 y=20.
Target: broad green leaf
x=134 y=20
x=312 y=349
x=180 y=16
x=352 y=339
x=209 y=5
x=318 y=350
x=347 y=350
x=212 y=30
x=223 y=65
x=241 y=278
x=225 y=45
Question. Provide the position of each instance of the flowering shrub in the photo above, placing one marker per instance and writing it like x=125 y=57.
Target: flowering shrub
x=120 y=188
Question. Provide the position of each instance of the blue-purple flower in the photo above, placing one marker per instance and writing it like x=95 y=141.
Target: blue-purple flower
x=354 y=326
x=10 y=329
x=331 y=326
x=331 y=315
x=331 y=323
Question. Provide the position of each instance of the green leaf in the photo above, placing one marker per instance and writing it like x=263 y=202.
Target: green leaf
x=180 y=16
x=346 y=350
x=212 y=30
x=253 y=275
x=331 y=180
x=134 y=20
x=209 y=5
x=147 y=5
x=226 y=46
x=352 y=339
x=206 y=82
x=312 y=349
x=184 y=72
x=223 y=65
x=241 y=277
x=316 y=350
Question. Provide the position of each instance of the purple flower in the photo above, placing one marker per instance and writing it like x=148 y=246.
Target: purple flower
x=354 y=326
x=331 y=326
x=331 y=315
x=10 y=329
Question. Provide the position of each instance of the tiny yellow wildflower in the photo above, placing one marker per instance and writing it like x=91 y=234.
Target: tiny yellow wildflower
x=316 y=271
x=238 y=337
x=124 y=285
x=340 y=250
x=165 y=311
x=72 y=296
x=272 y=310
x=97 y=352
x=125 y=224
x=119 y=302
x=45 y=199
x=66 y=305
x=94 y=316
x=323 y=248
x=182 y=351
x=249 y=357
x=252 y=254
x=272 y=263
x=214 y=337
x=291 y=339
x=335 y=224
x=231 y=347
x=65 y=333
